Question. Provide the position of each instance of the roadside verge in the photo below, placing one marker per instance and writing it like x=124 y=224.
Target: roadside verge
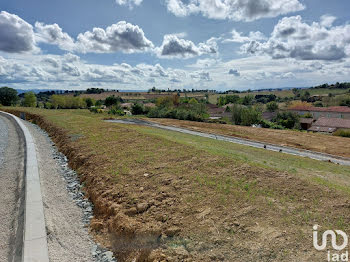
x=34 y=236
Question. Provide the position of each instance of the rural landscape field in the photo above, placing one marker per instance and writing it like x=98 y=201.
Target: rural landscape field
x=160 y=195
x=174 y=131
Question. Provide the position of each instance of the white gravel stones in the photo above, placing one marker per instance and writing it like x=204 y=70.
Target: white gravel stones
x=75 y=195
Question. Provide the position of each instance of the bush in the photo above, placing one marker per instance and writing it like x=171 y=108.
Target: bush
x=345 y=102
x=272 y=106
x=116 y=110
x=112 y=100
x=318 y=104
x=307 y=115
x=48 y=105
x=99 y=103
x=224 y=100
x=137 y=109
x=267 y=124
x=196 y=112
x=342 y=132
x=67 y=102
x=248 y=100
x=96 y=110
x=89 y=102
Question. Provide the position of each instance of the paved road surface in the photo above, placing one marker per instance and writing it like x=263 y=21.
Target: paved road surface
x=11 y=186
x=282 y=149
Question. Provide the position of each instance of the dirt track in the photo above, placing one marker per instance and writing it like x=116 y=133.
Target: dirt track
x=11 y=175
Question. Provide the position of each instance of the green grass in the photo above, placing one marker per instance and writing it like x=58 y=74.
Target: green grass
x=324 y=173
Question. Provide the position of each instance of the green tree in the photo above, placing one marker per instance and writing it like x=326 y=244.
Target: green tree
x=245 y=116
x=8 y=96
x=29 y=99
x=287 y=120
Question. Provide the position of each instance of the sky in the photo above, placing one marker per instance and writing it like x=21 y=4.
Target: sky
x=175 y=44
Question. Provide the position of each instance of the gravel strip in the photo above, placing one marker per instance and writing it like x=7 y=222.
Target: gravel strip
x=67 y=212
x=3 y=139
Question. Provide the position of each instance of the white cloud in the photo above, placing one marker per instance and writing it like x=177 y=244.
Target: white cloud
x=130 y=3
x=293 y=38
x=327 y=20
x=237 y=37
x=205 y=63
x=16 y=35
x=201 y=76
x=53 y=62
x=175 y=47
x=122 y=36
x=53 y=34
x=237 y=10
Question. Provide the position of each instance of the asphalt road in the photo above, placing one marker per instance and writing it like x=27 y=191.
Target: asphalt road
x=11 y=188
x=256 y=144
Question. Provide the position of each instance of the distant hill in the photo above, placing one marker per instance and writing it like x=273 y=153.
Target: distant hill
x=36 y=91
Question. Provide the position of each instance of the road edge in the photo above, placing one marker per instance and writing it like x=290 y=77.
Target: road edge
x=35 y=248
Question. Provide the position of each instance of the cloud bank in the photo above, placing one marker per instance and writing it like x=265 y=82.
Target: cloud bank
x=175 y=47
x=293 y=38
x=237 y=10
x=16 y=35
x=53 y=34
x=122 y=36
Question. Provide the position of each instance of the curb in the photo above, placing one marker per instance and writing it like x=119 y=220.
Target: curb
x=35 y=247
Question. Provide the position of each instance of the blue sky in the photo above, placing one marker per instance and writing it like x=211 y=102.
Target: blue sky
x=138 y=44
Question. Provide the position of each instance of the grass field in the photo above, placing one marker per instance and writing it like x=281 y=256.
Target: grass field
x=285 y=93
x=167 y=196
x=298 y=139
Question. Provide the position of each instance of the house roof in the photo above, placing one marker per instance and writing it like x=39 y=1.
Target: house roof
x=126 y=104
x=336 y=109
x=306 y=120
x=150 y=105
x=268 y=115
x=322 y=129
x=332 y=122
